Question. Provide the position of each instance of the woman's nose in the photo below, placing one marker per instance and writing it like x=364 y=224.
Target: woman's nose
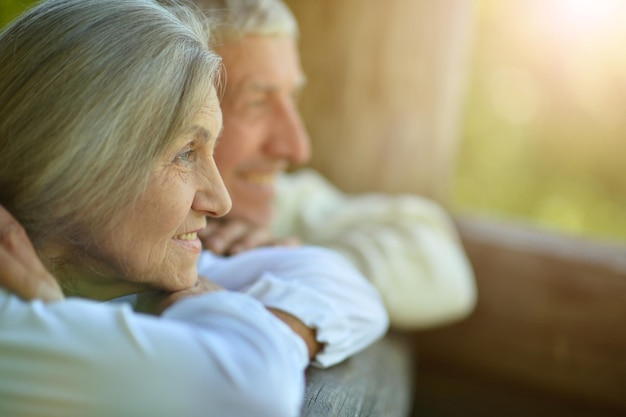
x=212 y=198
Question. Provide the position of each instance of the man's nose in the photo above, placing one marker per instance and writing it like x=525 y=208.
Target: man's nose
x=290 y=139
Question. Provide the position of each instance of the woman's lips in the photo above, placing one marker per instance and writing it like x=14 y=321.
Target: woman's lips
x=189 y=241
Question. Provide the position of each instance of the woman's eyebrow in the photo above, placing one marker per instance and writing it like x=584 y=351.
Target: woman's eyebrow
x=202 y=134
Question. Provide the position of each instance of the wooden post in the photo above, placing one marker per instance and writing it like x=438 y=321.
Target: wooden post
x=385 y=88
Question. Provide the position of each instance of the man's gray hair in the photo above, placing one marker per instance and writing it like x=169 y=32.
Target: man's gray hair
x=235 y=19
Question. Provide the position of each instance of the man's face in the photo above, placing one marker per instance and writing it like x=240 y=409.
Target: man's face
x=263 y=133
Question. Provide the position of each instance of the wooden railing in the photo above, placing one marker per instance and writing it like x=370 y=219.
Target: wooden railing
x=377 y=382
x=548 y=336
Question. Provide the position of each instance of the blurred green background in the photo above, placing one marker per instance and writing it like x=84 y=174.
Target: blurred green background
x=9 y=9
x=544 y=138
x=544 y=134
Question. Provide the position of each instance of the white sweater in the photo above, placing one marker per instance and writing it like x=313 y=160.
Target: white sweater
x=219 y=354
x=405 y=245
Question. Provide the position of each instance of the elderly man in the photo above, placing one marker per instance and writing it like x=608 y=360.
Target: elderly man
x=406 y=245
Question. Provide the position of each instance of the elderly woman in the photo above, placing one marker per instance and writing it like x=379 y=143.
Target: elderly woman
x=108 y=122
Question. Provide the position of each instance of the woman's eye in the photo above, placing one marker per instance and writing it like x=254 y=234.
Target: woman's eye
x=186 y=156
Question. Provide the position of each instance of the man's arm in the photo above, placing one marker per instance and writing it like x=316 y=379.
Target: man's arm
x=407 y=246
x=230 y=236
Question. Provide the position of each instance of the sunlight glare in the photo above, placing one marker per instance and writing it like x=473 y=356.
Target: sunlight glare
x=584 y=18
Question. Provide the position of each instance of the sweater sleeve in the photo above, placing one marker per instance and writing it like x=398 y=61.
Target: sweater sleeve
x=407 y=246
x=318 y=286
x=218 y=354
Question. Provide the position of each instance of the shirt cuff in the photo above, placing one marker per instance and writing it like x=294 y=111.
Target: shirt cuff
x=333 y=326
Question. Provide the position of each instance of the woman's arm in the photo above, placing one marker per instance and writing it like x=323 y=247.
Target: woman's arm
x=155 y=302
x=219 y=354
x=317 y=286
x=21 y=270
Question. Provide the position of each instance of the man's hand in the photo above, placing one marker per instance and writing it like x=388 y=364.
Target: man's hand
x=232 y=236
x=21 y=270
x=156 y=302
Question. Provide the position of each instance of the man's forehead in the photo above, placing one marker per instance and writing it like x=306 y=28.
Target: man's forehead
x=263 y=82
x=262 y=63
x=256 y=84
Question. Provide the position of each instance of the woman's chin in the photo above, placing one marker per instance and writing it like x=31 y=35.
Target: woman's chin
x=186 y=279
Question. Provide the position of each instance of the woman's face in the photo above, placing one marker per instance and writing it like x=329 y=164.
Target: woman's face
x=156 y=244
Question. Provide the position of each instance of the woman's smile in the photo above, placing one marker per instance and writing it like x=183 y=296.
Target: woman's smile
x=189 y=241
x=184 y=188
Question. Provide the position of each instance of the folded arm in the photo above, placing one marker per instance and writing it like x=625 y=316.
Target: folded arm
x=221 y=351
x=407 y=246
x=217 y=351
x=317 y=286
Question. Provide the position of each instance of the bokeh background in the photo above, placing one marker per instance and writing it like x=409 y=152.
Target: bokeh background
x=543 y=135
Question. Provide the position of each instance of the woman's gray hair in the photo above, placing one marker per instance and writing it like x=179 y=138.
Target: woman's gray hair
x=92 y=92
x=235 y=19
